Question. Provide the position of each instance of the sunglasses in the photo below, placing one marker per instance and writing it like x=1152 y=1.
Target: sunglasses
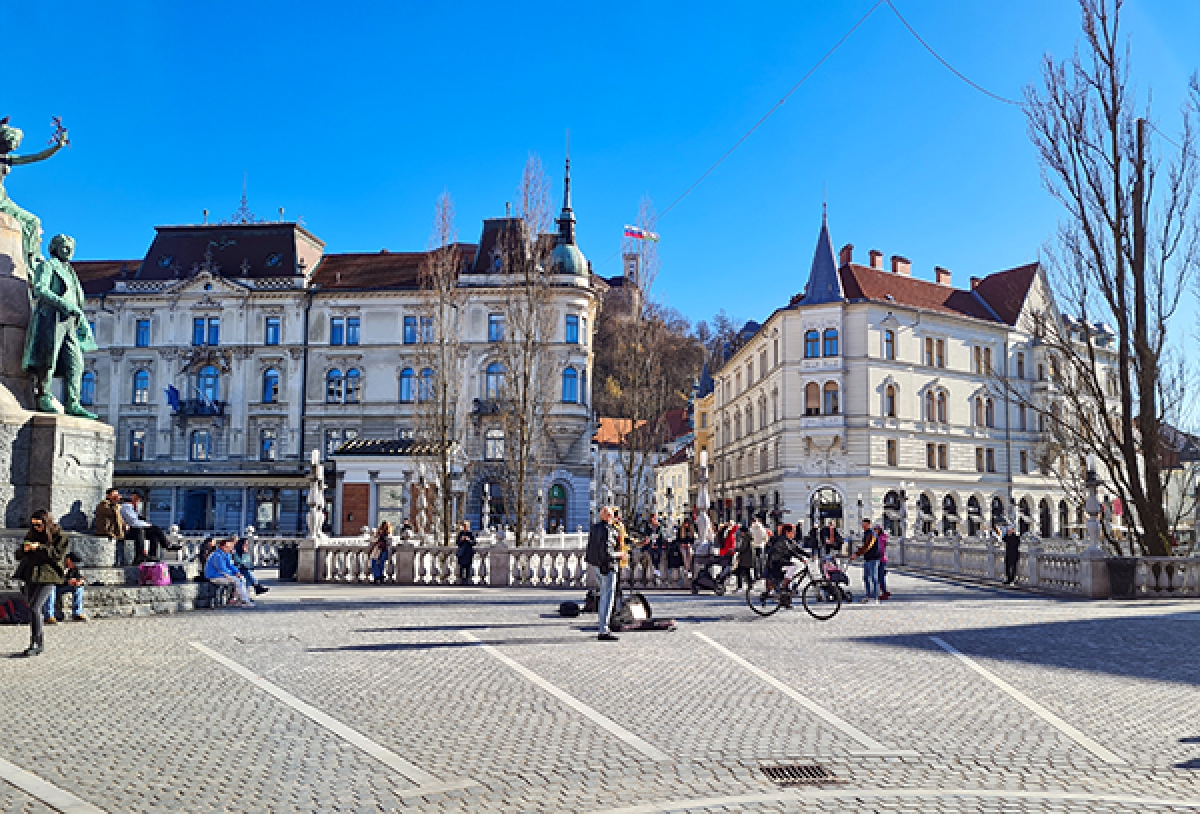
x=37 y=524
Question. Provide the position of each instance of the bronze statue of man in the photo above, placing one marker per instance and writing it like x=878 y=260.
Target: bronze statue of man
x=58 y=334
x=31 y=227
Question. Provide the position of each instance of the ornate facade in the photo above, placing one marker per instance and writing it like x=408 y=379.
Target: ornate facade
x=232 y=350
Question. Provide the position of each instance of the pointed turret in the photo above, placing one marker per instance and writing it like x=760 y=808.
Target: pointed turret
x=567 y=258
x=824 y=282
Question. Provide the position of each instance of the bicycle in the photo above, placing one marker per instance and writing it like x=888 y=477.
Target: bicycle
x=821 y=597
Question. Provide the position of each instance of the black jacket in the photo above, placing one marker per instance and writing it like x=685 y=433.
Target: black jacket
x=1012 y=543
x=602 y=546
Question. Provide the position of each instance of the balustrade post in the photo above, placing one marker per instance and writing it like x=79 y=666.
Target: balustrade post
x=1093 y=573
x=403 y=556
x=958 y=555
x=498 y=567
x=929 y=551
x=989 y=557
x=308 y=561
x=1031 y=565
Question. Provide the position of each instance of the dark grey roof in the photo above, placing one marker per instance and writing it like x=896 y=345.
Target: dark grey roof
x=403 y=447
x=824 y=282
x=706 y=382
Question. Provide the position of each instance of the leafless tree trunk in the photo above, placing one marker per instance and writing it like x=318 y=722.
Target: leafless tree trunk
x=439 y=403
x=1125 y=255
x=530 y=368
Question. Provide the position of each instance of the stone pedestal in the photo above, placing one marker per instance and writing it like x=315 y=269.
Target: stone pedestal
x=54 y=462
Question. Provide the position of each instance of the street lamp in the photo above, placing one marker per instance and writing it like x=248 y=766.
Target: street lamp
x=860 y=511
x=1092 y=506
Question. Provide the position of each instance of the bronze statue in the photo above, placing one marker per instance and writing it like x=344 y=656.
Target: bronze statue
x=31 y=227
x=58 y=334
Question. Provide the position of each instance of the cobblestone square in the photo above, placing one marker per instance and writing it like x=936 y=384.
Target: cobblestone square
x=375 y=699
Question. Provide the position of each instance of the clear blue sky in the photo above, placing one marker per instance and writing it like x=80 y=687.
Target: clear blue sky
x=356 y=116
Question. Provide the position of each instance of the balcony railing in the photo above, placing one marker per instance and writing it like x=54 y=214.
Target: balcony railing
x=200 y=407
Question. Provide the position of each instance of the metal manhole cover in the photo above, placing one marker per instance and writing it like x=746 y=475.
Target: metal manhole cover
x=800 y=775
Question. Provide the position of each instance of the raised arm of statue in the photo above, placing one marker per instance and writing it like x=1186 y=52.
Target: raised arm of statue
x=41 y=155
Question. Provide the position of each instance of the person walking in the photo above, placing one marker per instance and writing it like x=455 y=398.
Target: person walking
x=686 y=538
x=602 y=552
x=745 y=559
x=41 y=566
x=881 y=537
x=758 y=541
x=110 y=524
x=869 y=551
x=1012 y=554
x=466 y=552
x=379 y=551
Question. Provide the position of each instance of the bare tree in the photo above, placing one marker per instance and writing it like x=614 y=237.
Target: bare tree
x=1126 y=253
x=439 y=381
x=530 y=368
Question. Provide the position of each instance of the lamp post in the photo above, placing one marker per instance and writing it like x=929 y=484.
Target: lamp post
x=1093 y=506
x=541 y=515
x=903 y=521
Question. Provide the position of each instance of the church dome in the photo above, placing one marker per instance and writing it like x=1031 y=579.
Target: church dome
x=568 y=259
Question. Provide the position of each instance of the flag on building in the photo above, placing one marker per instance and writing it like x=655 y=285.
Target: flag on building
x=172 y=393
x=638 y=233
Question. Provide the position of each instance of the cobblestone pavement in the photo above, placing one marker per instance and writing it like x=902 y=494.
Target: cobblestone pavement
x=365 y=699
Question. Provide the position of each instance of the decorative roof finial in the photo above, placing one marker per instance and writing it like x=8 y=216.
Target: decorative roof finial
x=566 y=220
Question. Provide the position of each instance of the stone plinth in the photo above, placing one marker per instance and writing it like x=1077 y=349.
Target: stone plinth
x=15 y=389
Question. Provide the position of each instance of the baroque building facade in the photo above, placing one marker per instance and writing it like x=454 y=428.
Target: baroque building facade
x=230 y=351
x=877 y=395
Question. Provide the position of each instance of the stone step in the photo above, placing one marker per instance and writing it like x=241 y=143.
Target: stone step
x=128 y=575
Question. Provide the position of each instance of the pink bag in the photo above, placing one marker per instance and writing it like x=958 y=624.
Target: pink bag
x=154 y=573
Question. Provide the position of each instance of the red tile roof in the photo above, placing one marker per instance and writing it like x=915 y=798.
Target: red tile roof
x=876 y=285
x=676 y=423
x=1006 y=291
x=679 y=457
x=612 y=431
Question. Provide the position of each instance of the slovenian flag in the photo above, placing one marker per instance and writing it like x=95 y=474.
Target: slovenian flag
x=638 y=233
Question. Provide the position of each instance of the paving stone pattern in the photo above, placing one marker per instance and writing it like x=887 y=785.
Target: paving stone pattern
x=151 y=724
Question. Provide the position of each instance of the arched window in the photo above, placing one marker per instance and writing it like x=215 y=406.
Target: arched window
x=1024 y=515
x=406 y=384
x=889 y=401
x=333 y=387
x=425 y=391
x=749 y=419
x=208 y=382
x=201 y=447
x=949 y=515
x=997 y=511
x=1045 y=528
x=762 y=413
x=270 y=386
x=763 y=456
x=929 y=406
x=812 y=345
x=941 y=408
x=1064 y=519
x=775 y=406
x=978 y=412
x=570 y=386
x=832 y=407
x=87 y=389
x=989 y=413
x=812 y=399
x=974 y=516
x=141 y=387
x=353 y=386
x=831 y=342
x=493 y=381
x=737 y=425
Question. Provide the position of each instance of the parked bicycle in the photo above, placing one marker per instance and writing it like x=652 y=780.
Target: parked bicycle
x=821 y=597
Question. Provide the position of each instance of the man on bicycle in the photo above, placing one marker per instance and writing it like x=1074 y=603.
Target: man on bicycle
x=782 y=549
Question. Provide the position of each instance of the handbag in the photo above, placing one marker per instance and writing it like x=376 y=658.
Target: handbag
x=24 y=571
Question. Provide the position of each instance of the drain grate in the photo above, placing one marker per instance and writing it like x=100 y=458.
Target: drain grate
x=800 y=775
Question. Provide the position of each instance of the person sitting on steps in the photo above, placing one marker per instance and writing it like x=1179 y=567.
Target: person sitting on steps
x=155 y=542
x=220 y=570
x=73 y=585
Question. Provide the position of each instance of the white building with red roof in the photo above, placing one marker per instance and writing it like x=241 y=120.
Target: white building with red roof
x=874 y=394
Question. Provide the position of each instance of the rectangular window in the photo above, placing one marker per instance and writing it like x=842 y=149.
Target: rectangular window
x=889 y=344
x=704 y=421
x=762 y=364
x=928 y=352
x=137 y=445
x=273 y=330
x=333 y=440
x=410 y=330
x=201 y=445
x=978 y=459
x=987 y=360
x=427 y=330
x=92 y=325
x=142 y=340
x=495 y=327
x=405 y=433
x=1024 y=462
x=583 y=332
x=978 y=359
x=991 y=459
x=351 y=330
x=893 y=456
x=198 y=330
x=572 y=329
x=1022 y=418
x=214 y=331
x=337 y=331
x=775 y=351
x=931 y=456
x=267 y=441
x=943 y=458
x=941 y=353
x=1020 y=366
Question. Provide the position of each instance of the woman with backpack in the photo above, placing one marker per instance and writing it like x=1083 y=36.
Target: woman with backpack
x=381 y=548
x=41 y=566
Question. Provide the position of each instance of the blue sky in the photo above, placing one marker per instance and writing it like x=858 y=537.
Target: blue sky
x=357 y=116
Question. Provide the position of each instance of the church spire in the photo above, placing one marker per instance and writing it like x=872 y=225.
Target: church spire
x=824 y=282
x=566 y=219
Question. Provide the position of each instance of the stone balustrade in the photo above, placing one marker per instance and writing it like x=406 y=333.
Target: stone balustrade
x=1058 y=566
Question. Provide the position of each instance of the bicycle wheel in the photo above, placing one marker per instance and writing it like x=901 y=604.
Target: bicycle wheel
x=822 y=599
x=760 y=600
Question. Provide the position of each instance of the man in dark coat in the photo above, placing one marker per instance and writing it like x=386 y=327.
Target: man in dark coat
x=602 y=555
x=1012 y=554
x=110 y=524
